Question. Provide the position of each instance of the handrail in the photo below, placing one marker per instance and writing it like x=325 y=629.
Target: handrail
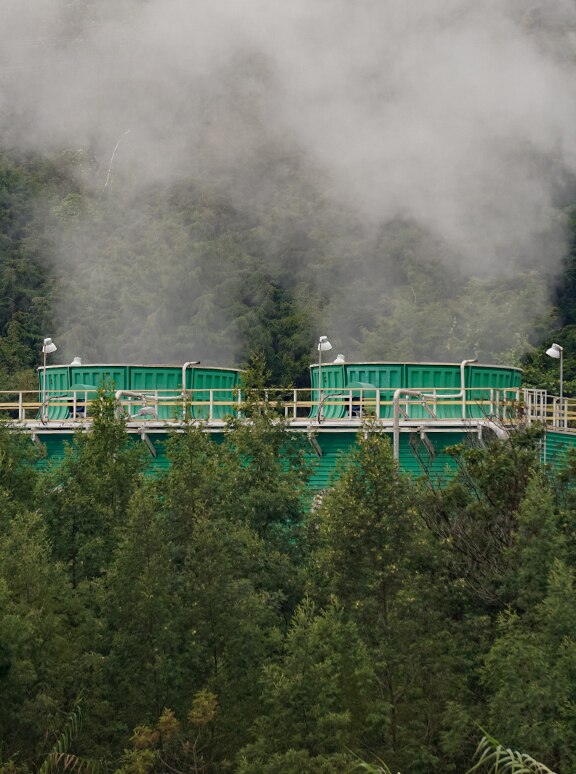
x=348 y=404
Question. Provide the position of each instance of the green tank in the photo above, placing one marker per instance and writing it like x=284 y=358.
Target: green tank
x=375 y=384
x=214 y=388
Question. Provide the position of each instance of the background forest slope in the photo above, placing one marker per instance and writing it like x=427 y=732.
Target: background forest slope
x=181 y=272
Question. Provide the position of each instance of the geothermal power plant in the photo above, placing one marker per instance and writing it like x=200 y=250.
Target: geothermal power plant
x=424 y=408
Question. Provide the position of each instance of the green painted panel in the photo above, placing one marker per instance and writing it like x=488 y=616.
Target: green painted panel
x=419 y=458
x=415 y=457
x=388 y=377
x=556 y=448
x=155 y=378
x=223 y=382
x=333 y=383
x=57 y=383
x=82 y=377
x=483 y=384
x=54 y=443
x=445 y=379
x=100 y=375
x=334 y=447
x=165 y=380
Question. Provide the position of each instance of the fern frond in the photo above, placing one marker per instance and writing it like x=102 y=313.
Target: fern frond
x=68 y=762
x=496 y=759
x=60 y=759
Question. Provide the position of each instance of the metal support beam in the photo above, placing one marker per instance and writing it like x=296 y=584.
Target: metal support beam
x=314 y=444
x=149 y=444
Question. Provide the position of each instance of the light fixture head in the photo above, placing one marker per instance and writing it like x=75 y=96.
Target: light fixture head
x=555 y=351
x=323 y=344
x=49 y=346
x=77 y=361
x=339 y=359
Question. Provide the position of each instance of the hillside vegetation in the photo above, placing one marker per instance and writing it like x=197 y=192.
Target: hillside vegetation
x=207 y=620
x=180 y=272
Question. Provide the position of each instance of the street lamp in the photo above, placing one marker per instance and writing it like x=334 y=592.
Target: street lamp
x=557 y=352
x=47 y=348
x=323 y=346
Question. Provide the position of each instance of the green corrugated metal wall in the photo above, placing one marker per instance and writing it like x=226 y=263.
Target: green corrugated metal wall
x=222 y=381
x=444 y=377
x=556 y=447
x=99 y=375
x=415 y=455
x=57 y=383
x=333 y=381
x=333 y=447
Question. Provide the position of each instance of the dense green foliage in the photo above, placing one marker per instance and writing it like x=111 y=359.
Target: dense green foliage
x=208 y=620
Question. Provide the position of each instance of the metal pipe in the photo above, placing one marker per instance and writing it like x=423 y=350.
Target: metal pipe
x=497 y=429
x=320 y=391
x=44 y=398
x=463 y=365
x=561 y=372
x=118 y=405
x=396 y=427
x=186 y=365
x=326 y=397
x=419 y=394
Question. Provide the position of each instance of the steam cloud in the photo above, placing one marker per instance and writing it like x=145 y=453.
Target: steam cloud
x=458 y=115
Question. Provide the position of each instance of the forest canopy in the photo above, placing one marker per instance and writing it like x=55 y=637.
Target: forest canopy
x=208 y=619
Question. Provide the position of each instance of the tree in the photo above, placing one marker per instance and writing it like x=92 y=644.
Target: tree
x=475 y=515
x=18 y=473
x=141 y=668
x=87 y=494
x=375 y=555
x=282 y=333
x=39 y=651
x=315 y=700
x=529 y=673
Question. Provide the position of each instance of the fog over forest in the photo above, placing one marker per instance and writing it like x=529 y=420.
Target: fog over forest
x=456 y=118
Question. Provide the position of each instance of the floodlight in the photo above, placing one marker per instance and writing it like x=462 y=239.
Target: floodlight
x=49 y=346
x=556 y=351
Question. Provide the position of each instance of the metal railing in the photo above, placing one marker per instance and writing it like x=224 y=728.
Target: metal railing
x=336 y=406
x=551 y=410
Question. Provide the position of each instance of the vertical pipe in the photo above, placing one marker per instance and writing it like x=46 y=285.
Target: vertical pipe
x=43 y=409
x=186 y=365
x=396 y=428
x=561 y=371
x=463 y=365
x=320 y=391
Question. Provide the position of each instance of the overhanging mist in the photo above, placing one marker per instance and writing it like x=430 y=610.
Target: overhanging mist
x=401 y=170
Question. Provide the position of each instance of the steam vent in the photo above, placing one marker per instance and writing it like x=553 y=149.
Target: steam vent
x=423 y=407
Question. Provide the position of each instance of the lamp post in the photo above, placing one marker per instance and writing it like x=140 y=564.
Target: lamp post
x=47 y=348
x=557 y=352
x=323 y=346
